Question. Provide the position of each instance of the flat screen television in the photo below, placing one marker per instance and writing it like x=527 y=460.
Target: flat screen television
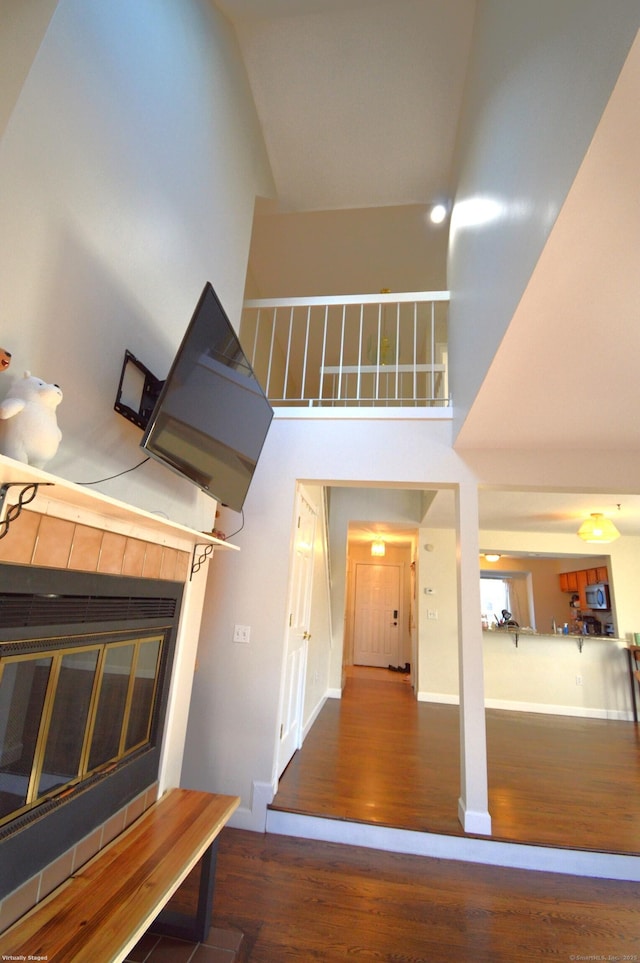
x=209 y=420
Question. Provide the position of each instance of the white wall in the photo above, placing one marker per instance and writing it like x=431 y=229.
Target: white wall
x=540 y=76
x=129 y=168
x=129 y=165
x=233 y=723
x=315 y=253
x=541 y=675
x=538 y=674
x=23 y=27
x=438 y=637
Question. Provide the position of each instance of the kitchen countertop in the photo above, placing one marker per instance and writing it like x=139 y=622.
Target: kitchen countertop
x=522 y=630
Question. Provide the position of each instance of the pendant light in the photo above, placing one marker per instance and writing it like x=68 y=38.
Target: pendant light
x=597 y=528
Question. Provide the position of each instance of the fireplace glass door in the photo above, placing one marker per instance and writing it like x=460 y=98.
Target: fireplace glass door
x=71 y=712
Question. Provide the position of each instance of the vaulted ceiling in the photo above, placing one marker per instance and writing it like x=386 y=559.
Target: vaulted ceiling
x=359 y=103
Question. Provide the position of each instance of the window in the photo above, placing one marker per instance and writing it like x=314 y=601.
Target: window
x=508 y=590
x=495 y=596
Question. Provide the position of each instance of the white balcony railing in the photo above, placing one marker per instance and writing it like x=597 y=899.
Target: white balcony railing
x=361 y=350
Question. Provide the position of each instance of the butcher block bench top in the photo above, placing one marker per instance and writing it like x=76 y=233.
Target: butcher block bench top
x=105 y=907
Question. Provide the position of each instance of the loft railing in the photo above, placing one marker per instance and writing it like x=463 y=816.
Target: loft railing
x=360 y=350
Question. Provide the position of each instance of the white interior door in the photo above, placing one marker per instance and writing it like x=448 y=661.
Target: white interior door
x=292 y=701
x=376 y=631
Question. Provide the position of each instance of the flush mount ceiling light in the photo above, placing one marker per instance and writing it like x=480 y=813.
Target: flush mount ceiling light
x=378 y=548
x=597 y=528
x=492 y=557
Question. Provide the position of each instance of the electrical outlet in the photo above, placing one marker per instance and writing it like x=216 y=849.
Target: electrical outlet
x=432 y=613
x=242 y=634
x=578 y=680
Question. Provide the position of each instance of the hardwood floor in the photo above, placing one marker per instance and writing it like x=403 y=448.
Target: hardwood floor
x=378 y=756
x=302 y=900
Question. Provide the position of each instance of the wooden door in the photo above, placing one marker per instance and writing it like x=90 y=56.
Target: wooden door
x=377 y=617
x=301 y=580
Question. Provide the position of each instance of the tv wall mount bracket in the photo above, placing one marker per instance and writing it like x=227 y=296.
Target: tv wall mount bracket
x=137 y=385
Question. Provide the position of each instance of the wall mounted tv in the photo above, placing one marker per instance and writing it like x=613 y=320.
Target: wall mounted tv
x=208 y=421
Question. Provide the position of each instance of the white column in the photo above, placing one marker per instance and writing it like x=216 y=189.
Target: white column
x=473 y=805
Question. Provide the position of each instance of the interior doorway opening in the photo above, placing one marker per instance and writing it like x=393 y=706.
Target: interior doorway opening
x=380 y=611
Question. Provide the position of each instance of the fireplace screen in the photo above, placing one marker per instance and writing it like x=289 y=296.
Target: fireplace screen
x=73 y=710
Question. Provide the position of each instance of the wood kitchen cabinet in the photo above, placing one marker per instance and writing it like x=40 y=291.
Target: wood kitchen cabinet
x=569 y=582
x=576 y=581
x=597 y=575
x=582 y=579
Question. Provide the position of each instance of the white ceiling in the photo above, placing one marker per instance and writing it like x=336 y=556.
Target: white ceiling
x=558 y=513
x=358 y=101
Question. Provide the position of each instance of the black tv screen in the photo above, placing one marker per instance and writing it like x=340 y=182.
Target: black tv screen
x=212 y=417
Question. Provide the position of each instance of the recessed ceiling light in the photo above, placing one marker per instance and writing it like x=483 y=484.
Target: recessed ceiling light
x=438 y=213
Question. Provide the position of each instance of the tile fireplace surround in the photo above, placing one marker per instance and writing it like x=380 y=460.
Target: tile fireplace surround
x=67 y=527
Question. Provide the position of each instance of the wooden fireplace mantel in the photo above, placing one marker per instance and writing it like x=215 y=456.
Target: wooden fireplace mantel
x=64 y=499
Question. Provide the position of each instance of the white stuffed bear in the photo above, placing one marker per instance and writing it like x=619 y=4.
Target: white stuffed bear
x=28 y=427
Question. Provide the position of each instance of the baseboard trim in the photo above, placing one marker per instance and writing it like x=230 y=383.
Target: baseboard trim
x=467 y=849
x=312 y=718
x=448 y=700
x=474 y=821
x=334 y=693
x=581 y=712
x=254 y=818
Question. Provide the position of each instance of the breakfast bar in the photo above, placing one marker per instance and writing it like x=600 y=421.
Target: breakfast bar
x=564 y=674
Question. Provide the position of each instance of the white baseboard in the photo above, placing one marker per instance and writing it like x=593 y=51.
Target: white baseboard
x=334 y=693
x=254 y=818
x=583 y=712
x=448 y=700
x=312 y=718
x=474 y=821
x=468 y=849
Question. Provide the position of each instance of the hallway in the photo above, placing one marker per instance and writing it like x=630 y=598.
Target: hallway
x=378 y=756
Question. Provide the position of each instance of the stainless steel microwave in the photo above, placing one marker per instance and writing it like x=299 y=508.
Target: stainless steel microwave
x=597 y=597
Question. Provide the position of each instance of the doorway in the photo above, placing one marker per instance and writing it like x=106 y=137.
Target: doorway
x=297 y=639
x=376 y=615
x=380 y=619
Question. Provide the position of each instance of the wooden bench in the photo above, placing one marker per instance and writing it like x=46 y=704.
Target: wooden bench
x=104 y=908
